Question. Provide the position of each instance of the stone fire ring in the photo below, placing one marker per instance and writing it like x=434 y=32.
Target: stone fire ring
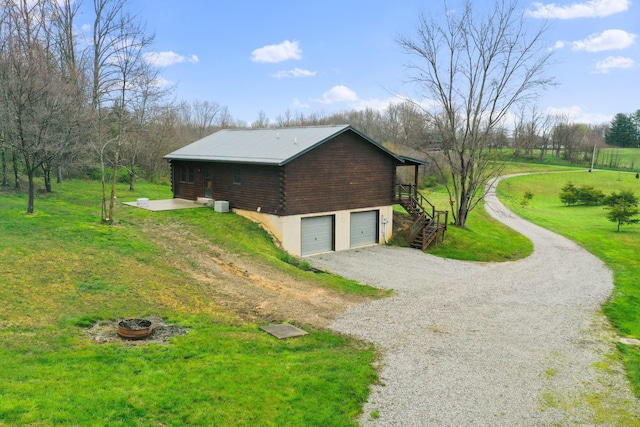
x=134 y=329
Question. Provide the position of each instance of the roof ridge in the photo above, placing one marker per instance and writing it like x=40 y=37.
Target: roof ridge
x=285 y=128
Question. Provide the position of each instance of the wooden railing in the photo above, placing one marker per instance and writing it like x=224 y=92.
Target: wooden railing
x=427 y=221
x=408 y=194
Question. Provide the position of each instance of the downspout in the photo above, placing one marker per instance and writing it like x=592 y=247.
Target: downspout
x=384 y=229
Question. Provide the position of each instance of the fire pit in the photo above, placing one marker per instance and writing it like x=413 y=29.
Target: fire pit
x=134 y=329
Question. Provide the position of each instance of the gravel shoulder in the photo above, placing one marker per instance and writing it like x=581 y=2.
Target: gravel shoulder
x=519 y=343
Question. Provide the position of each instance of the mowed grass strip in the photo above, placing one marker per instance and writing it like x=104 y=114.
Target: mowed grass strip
x=61 y=270
x=588 y=226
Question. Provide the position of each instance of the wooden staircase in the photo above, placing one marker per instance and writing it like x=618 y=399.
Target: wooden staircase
x=427 y=221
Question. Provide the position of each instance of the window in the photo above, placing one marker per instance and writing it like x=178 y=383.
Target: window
x=237 y=178
x=186 y=174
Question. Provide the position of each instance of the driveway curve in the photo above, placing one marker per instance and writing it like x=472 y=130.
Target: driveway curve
x=488 y=344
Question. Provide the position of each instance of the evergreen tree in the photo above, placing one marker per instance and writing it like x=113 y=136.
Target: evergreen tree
x=622 y=208
x=623 y=131
x=635 y=119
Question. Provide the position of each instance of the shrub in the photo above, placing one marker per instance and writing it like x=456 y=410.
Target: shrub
x=569 y=194
x=429 y=181
x=590 y=196
x=528 y=195
x=95 y=174
x=587 y=194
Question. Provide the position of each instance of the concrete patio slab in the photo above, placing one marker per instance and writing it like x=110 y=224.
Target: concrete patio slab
x=166 y=205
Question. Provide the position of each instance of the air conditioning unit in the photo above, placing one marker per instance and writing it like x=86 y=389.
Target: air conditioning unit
x=221 y=206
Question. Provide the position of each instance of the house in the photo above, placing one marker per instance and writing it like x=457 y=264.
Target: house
x=316 y=189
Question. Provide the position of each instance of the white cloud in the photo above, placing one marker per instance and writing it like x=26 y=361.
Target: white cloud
x=576 y=114
x=607 y=40
x=589 y=9
x=297 y=104
x=277 y=52
x=296 y=72
x=164 y=59
x=378 y=104
x=613 y=62
x=161 y=82
x=337 y=94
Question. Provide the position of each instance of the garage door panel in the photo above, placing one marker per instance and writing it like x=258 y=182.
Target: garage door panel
x=317 y=234
x=364 y=228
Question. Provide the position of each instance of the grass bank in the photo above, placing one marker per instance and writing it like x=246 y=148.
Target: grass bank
x=61 y=270
x=588 y=226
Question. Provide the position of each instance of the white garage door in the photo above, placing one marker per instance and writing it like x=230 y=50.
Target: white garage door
x=364 y=228
x=317 y=234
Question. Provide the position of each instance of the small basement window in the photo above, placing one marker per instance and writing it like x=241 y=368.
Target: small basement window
x=237 y=178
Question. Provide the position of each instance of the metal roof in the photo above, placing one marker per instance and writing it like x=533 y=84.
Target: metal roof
x=274 y=146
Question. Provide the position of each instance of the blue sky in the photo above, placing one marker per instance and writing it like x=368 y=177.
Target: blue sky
x=325 y=56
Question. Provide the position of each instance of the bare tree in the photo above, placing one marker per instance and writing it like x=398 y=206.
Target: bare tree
x=285 y=119
x=544 y=136
x=472 y=69
x=146 y=106
x=133 y=77
x=413 y=129
x=261 y=122
x=36 y=98
x=224 y=119
x=526 y=131
x=161 y=135
x=116 y=62
x=204 y=116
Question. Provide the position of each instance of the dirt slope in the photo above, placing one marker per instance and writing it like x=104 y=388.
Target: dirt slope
x=251 y=288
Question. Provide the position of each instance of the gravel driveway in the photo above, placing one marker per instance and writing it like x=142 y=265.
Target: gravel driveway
x=488 y=344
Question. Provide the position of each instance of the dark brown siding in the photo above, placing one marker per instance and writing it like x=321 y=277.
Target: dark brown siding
x=258 y=186
x=187 y=190
x=344 y=173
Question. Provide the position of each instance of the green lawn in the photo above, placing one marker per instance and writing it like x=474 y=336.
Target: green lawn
x=483 y=239
x=625 y=157
x=609 y=157
x=588 y=226
x=61 y=270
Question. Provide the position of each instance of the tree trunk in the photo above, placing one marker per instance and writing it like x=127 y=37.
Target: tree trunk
x=47 y=178
x=59 y=175
x=114 y=181
x=16 y=171
x=32 y=191
x=5 y=177
x=543 y=150
x=132 y=180
x=103 y=182
x=463 y=210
